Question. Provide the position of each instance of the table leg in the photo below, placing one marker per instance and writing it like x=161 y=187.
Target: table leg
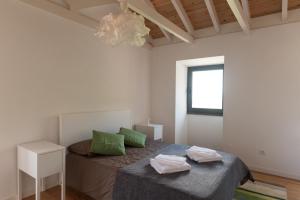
x=37 y=189
x=63 y=187
x=63 y=178
x=43 y=185
x=19 y=184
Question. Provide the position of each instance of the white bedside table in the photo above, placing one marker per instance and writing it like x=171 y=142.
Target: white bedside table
x=154 y=131
x=39 y=160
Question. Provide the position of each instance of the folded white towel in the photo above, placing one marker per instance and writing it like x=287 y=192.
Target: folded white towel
x=200 y=154
x=171 y=160
x=166 y=169
x=201 y=159
x=202 y=150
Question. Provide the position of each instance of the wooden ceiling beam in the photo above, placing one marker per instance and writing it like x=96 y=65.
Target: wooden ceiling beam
x=138 y=6
x=166 y=34
x=183 y=16
x=151 y=14
x=213 y=14
x=246 y=8
x=285 y=10
x=79 y=4
x=239 y=14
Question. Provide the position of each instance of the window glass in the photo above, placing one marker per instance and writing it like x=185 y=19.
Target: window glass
x=207 y=89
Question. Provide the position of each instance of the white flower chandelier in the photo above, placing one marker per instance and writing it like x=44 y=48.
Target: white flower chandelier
x=124 y=28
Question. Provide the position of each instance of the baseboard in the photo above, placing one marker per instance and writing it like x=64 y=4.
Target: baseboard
x=10 y=198
x=275 y=172
x=27 y=192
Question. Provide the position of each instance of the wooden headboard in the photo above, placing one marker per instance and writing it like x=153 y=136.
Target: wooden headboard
x=76 y=127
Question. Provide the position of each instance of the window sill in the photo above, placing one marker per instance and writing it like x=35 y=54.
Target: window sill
x=206 y=115
x=205 y=111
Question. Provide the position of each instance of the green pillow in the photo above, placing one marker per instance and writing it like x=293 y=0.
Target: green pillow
x=108 y=144
x=133 y=138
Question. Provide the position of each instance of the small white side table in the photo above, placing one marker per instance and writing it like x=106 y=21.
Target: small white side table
x=39 y=160
x=154 y=131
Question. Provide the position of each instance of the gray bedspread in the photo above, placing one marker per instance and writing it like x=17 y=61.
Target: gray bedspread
x=206 y=181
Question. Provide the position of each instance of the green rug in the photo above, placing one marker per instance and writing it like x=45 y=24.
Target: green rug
x=260 y=191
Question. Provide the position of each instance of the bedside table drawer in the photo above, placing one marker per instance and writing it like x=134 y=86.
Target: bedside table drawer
x=50 y=163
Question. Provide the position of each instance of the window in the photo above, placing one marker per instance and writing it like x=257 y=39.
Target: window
x=205 y=90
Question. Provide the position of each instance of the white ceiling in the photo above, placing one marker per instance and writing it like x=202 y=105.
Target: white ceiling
x=95 y=12
x=60 y=2
x=98 y=12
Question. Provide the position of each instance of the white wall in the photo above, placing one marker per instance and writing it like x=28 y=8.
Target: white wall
x=261 y=93
x=48 y=66
x=181 y=122
x=205 y=131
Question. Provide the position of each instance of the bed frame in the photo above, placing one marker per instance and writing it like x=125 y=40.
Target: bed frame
x=76 y=127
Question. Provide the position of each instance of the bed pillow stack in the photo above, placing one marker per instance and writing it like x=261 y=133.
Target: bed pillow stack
x=108 y=144
x=114 y=144
x=133 y=138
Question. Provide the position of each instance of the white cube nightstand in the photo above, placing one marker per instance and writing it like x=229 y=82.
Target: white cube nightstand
x=39 y=160
x=154 y=131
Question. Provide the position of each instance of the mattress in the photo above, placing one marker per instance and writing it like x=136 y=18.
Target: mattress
x=95 y=176
x=130 y=177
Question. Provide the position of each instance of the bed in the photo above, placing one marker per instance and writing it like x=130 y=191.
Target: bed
x=130 y=177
